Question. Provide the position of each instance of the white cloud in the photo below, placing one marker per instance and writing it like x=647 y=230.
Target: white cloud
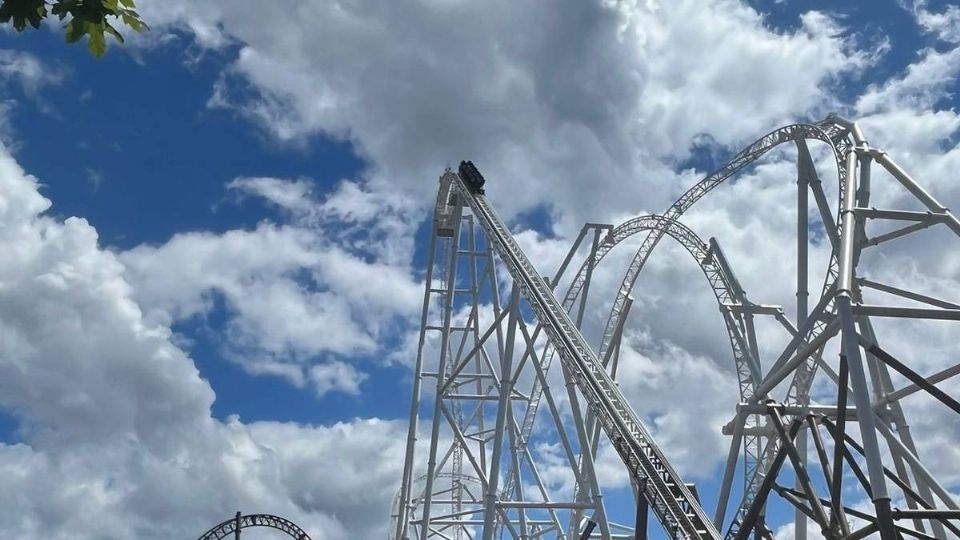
x=116 y=436
x=925 y=83
x=292 y=195
x=336 y=376
x=560 y=105
x=686 y=400
x=945 y=25
x=584 y=108
x=294 y=293
x=32 y=75
x=28 y=71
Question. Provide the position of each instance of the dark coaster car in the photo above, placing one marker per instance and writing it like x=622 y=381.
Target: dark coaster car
x=471 y=176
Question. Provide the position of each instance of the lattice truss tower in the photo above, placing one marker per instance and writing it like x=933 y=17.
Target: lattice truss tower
x=511 y=404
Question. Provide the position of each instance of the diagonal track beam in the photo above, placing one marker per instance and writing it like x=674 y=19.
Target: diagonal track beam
x=673 y=504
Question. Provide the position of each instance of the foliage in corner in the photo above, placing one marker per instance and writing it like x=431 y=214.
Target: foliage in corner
x=84 y=18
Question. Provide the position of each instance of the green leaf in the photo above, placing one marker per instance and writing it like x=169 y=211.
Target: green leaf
x=112 y=31
x=74 y=31
x=133 y=22
x=79 y=18
x=96 y=43
x=23 y=12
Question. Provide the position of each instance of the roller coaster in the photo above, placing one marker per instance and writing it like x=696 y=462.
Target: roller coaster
x=818 y=436
x=233 y=527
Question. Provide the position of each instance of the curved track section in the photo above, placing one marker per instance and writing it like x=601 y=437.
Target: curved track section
x=474 y=362
x=829 y=131
x=230 y=527
x=731 y=299
x=802 y=357
x=720 y=282
x=834 y=133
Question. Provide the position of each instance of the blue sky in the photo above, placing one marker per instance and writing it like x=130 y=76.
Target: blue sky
x=303 y=137
x=141 y=157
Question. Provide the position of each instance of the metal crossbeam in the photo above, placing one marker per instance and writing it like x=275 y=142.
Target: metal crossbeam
x=674 y=505
x=483 y=475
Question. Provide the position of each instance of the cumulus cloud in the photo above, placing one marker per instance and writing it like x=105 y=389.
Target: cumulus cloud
x=562 y=106
x=115 y=436
x=28 y=71
x=686 y=397
x=583 y=109
x=320 y=284
x=945 y=25
x=559 y=105
x=923 y=86
x=31 y=75
x=754 y=219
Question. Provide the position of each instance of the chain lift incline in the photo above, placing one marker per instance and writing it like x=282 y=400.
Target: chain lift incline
x=669 y=498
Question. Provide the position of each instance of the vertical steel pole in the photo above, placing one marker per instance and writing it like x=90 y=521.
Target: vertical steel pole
x=803 y=228
x=515 y=458
x=851 y=349
x=643 y=511
x=503 y=409
x=475 y=299
x=501 y=346
x=451 y=287
x=412 y=427
x=236 y=527
x=804 y=163
x=863 y=201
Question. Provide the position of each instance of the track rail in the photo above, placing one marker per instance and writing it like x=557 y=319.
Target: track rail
x=833 y=132
x=827 y=131
x=231 y=526
x=759 y=429
x=672 y=503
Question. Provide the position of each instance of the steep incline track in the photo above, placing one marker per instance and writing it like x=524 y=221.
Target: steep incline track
x=673 y=504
